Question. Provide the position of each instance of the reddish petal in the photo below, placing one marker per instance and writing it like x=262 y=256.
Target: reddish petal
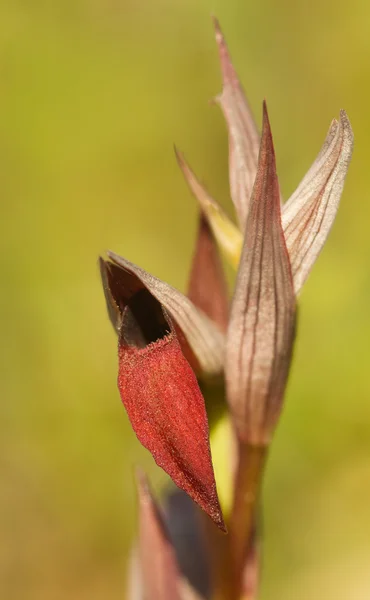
x=167 y=412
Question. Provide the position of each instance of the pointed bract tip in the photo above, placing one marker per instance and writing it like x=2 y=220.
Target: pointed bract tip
x=265 y=115
x=142 y=482
x=103 y=270
x=218 y=520
x=179 y=156
x=216 y=22
x=348 y=136
x=112 y=303
x=266 y=136
x=103 y=267
x=345 y=122
x=226 y=64
x=216 y=25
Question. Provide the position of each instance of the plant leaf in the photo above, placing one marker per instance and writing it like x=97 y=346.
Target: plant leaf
x=261 y=329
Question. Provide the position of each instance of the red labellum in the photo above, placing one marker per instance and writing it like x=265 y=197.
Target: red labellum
x=166 y=408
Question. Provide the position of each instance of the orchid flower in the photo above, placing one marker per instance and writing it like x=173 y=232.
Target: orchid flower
x=169 y=343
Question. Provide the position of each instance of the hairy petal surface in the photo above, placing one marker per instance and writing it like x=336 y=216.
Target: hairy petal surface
x=166 y=408
x=261 y=329
x=242 y=130
x=160 y=576
x=201 y=340
x=159 y=388
x=207 y=287
x=226 y=233
x=310 y=212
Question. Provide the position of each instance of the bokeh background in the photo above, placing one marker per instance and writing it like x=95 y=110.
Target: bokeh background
x=93 y=93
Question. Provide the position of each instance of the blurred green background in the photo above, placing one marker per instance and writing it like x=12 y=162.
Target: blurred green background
x=93 y=93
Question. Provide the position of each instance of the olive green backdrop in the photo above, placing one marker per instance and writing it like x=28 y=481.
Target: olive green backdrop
x=93 y=93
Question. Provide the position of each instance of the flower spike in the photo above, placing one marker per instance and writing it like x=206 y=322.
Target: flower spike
x=169 y=342
x=262 y=320
x=243 y=133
